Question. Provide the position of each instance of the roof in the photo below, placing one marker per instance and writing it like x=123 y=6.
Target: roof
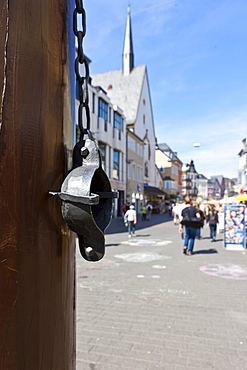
x=128 y=53
x=219 y=178
x=201 y=176
x=154 y=190
x=169 y=152
x=164 y=147
x=123 y=90
x=132 y=133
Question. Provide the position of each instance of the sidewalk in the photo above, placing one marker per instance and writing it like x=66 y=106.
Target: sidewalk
x=145 y=305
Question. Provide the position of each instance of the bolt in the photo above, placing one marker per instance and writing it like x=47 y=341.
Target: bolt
x=89 y=251
x=84 y=152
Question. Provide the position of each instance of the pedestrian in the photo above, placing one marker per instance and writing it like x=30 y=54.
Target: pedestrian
x=144 y=213
x=181 y=206
x=175 y=214
x=130 y=218
x=149 y=211
x=212 y=220
x=197 y=206
x=169 y=208
x=124 y=209
x=191 y=221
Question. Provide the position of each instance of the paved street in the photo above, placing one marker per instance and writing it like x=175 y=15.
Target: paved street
x=148 y=306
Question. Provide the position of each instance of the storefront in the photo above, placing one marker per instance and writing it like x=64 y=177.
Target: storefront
x=156 y=197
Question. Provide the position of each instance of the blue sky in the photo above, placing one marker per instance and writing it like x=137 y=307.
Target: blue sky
x=196 y=57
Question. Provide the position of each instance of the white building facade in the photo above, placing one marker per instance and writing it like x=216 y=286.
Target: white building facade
x=108 y=126
x=128 y=88
x=202 y=186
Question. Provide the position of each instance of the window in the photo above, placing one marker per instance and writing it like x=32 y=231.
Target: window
x=139 y=149
x=122 y=167
x=131 y=143
x=175 y=170
x=144 y=119
x=139 y=173
x=146 y=169
x=102 y=148
x=115 y=165
x=117 y=123
x=162 y=169
x=110 y=114
x=103 y=109
x=167 y=185
x=93 y=103
x=109 y=151
x=133 y=172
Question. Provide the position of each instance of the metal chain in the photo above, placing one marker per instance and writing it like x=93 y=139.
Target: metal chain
x=81 y=61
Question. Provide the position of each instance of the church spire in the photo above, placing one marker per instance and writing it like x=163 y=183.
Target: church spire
x=128 y=54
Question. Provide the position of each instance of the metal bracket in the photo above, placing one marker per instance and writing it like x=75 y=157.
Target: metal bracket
x=87 y=199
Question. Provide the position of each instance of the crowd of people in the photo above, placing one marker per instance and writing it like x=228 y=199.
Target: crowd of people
x=191 y=217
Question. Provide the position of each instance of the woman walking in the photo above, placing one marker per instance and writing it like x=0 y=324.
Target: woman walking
x=212 y=220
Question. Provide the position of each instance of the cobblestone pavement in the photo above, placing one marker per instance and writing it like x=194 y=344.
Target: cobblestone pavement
x=148 y=306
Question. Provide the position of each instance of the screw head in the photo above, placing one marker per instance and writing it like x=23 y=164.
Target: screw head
x=89 y=251
x=84 y=152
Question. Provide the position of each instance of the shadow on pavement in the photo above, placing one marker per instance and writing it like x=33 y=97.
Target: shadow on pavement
x=111 y=245
x=208 y=237
x=206 y=251
x=142 y=236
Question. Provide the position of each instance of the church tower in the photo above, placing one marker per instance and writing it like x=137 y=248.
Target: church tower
x=128 y=54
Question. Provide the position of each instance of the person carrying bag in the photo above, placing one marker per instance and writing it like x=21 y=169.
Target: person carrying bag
x=191 y=220
x=130 y=218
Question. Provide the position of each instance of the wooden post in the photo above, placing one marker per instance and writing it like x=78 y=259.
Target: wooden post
x=37 y=251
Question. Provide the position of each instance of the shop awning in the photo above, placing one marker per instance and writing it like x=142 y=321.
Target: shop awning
x=241 y=197
x=175 y=196
x=155 y=191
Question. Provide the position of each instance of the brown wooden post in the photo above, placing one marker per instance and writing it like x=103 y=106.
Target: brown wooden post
x=37 y=252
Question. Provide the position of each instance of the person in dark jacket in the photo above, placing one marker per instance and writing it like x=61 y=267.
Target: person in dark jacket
x=192 y=222
x=197 y=206
x=212 y=220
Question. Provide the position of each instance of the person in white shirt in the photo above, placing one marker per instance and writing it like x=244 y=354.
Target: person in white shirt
x=130 y=217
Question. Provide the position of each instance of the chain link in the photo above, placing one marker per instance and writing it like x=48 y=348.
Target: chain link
x=81 y=64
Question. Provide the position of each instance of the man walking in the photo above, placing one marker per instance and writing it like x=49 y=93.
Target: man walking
x=130 y=217
x=191 y=221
